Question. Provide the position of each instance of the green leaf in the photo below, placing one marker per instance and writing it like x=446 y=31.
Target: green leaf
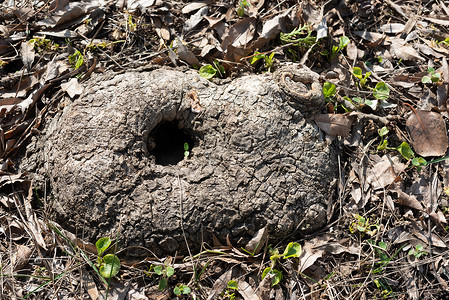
x=405 y=150
x=110 y=266
x=170 y=271
x=102 y=244
x=277 y=277
x=207 y=71
x=382 y=245
x=292 y=250
x=383 y=257
x=436 y=77
x=186 y=146
x=177 y=291
x=255 y=58
x=383 y=145
x=232 y=284
x=185 y=289
x=265 y=272
x=344 y=41
x=426 y=79
x=162 y=284
x=357 y=72
x=383 y=131
x=158 y=270
x=419 y=247
x=381 y=91
x=329 y=89
x=430 y=70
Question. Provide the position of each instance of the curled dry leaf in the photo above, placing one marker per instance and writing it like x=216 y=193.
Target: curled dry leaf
x=72 y=87
x=428 y=134
x=21 y=257
x=334 y=124
x=27 y=54
x=258 y=241
x=384 y=172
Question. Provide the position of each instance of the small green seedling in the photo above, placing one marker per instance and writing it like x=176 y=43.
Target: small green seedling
x=357 y=72
x=41 y=44
x=209 y=71
x=431 y=77
x=299 y=37
x=181 y=290
x=186 y=150
x=109 y=264
x=408 y=154
x=381 y=91
x=383 y=287
x=417 y=251
x=329 y=91
x=165 y=271
x=229 y=292
x=363 y=226
x=267 y=58
x=344 y=41
x=383 y=142
x=76 y=59
x=243 y=4
x=292 y=250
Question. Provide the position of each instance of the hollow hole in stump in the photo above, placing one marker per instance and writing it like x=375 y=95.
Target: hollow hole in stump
x=168 y=143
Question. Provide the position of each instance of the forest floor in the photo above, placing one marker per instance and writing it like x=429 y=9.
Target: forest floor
x=385 y=79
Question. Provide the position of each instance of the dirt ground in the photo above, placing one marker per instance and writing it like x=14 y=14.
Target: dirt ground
x=383 y=70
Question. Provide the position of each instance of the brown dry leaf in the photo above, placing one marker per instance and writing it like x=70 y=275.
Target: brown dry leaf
x=392 y=27
x=272 y=28
x=161 y=29
x=384 y=172
x=193 y=6
x=246 y=291
x=373 y=37
x=409 y=200
x=402 y=51
x=258 y=241
x=195 y=19
x=220 y=284
x=334 y=124
x=315 y=248
x=89 y=285
x=443 y=20
x=434 y=239
x=240 y=34
x=254 y=6
x=186 y=55
x=21 y=257
x=428 y=134
x=72 y=87
x=27 y=54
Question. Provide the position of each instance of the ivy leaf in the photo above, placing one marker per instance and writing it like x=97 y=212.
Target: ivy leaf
x=102 y=244
x=292 y=250
x=405 y=150
x=381 y=91
x=207 y=71
x=357 y=72
x=110 y=266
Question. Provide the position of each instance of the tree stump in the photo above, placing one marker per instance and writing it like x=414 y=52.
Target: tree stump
x=116 y=163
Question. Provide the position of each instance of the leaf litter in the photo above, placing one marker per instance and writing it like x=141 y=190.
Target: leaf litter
x=387 y=206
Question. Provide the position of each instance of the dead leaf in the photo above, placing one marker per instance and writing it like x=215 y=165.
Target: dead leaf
x=404 y=52
x=409 y=200
x=195 y=19
x=27 y=54
x=192 y=7
x=21 y=257
x=384 y=172
x=186 y=55
x=240 y=34
x=72 y=87
x=392 y=27
x=246 y=291
x=258 y=241
x=334 y=124
x=220 y=284
x=373 y=37
x=428 y=134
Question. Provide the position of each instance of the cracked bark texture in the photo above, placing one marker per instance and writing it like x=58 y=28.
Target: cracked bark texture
x=255 y=162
